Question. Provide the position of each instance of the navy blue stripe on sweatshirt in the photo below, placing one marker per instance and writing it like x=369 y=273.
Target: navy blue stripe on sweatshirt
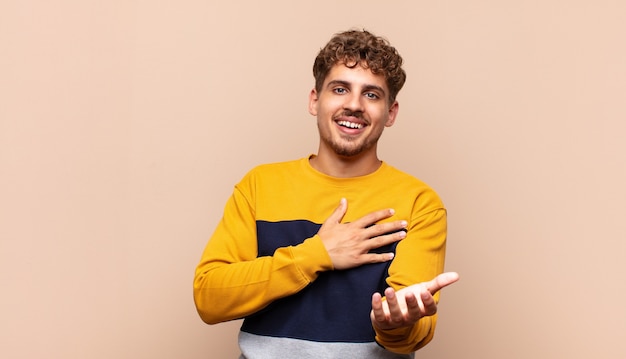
x=333 y=308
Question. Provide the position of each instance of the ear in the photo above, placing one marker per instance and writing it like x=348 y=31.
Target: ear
x=313 y=98
x=393 y=112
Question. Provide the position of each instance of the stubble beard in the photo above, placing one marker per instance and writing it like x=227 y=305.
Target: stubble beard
x=348 y=146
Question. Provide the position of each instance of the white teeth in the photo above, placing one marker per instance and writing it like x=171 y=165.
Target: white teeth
x=350 y=124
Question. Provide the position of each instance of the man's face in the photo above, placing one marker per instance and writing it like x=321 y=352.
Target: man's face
x=352 y=110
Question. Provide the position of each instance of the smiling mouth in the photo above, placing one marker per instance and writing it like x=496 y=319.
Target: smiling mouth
x=349 y=124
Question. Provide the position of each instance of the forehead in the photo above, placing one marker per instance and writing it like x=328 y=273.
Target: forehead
x=357 y=76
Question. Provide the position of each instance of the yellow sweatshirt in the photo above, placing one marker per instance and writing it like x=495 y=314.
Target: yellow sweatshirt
x=265 y=262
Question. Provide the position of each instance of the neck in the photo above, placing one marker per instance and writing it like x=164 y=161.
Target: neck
x=345 y=167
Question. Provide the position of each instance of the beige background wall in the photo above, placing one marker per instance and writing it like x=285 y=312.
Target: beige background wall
x=125 y=124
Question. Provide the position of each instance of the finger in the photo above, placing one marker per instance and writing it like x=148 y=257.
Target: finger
x=414 y=312
x=375 y=258
x=377 y=308
x=386 y=228
x=430 y=306
x=421 y=289
x=441 y=281
x=395 y=310
x=380 y=241
x=373 y=217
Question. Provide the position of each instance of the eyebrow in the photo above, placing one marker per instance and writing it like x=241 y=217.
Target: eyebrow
x=367 y=87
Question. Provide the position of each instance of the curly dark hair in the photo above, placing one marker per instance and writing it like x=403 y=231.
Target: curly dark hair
x=360 y=47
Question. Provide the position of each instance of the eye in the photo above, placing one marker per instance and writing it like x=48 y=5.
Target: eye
x=372 y=96
x=340 y=90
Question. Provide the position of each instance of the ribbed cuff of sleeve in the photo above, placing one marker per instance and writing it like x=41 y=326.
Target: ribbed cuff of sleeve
x=406 y=340
x=311 y=257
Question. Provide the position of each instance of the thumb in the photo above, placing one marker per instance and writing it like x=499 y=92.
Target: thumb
x=339 y=212
x=441 y=281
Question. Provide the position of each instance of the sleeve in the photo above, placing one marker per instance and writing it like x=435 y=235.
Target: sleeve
x=231 y=282
x=419 y=258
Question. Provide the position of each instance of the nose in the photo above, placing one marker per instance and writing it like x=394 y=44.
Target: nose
x=354 y=102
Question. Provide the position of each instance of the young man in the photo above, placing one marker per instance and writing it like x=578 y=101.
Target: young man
x=306 y=249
